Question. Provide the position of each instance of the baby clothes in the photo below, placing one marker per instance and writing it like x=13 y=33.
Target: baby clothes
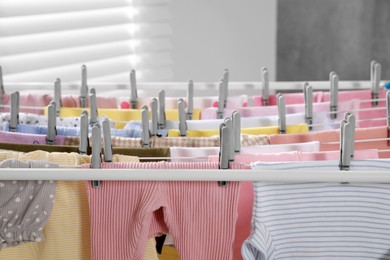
x=290 y=98
x=25 y=206
x=20 y=138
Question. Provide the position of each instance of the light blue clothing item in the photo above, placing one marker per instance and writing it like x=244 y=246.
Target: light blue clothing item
x=320 y=220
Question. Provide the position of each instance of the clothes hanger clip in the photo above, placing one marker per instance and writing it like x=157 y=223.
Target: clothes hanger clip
x=388 y=115
x=225 y=78
x=190 y=99
x=349 y=117
x=182 y=118
x=346 y=143
x=223 y=150
x=229 y=123
x=96 y=157
x=133 y=86
x=57 y=95
x=161 y=111
x=93 y=107
x=236 y=119
x=376 y=81
x=84 y=87
x=153 y=128
x=51 y=123
x=281 y=113
x=84 y=129
x=107 y=139
x=334 y=89
x=308 y=95
x=265 y=86
x=2 y=91
x=220 y=100
x=14 y=120
x=145 y=127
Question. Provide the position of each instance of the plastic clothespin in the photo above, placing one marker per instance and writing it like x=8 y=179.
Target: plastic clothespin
x=153 y=105
x=96 y=157
x=236 y=119
x=190 y=99
x=2 y=91
x=346 y=142
x=229 y=123
x=14 y=120
x=376 y=81
x=161 y=110
x=84 y=129
x=57 y=95
x=265 y=86
x=107 y=140
x=308 y=95
x=223 y=150
x=349 y=117
x=220 y=100
x=225 y=79
x=281 y=113
x=133 y=86
x=182 y=118
x=51 y=123
x=93 y=107
x=334 y=89
x=145 y=127
x=84 y=87
x=388 y=115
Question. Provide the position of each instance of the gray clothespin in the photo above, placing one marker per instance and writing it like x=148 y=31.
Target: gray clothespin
x=14 y=120
x=220 y=100
x=107 y=140
x=308 y=95
x=145 y=127
x=265 y=86
x=223 y=150
x=346 y=143
x=51 y=123
x=93 y=107
x=225 y=79
x=182 y=118
x=153 y=105
x=161 y=111
x=351 y=141
x=376 y=81
x=334 y=90
x=190 y=99
x=281 y=113
x=84 y=87
x=2 y=91
x=57 y=95
x=96 y=157
x=229 y=123
x=133 y=86
x=236 y=119
x=388 y=115
x=84 y=129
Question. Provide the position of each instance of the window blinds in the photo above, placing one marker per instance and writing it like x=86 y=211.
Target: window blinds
x=41 y=40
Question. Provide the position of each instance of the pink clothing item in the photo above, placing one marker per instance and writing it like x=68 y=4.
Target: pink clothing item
x=102 y=102
x=21 y=138
x=33 y=100
x=290 y=98
x=367 y=113
x=201 y=216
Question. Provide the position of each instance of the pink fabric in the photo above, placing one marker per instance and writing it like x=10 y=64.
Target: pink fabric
x=34 y=100
x=290 y=98
x=102 y=102
x=201 y=216
x=21 y=138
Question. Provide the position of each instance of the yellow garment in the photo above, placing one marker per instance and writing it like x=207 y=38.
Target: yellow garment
x=266 y=130
x=67 y=233
x=123 y=115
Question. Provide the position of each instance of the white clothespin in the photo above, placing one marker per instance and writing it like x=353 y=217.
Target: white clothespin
x=376 y=81
x=93 y=107
x=57 y=95
x=153 y=105
x=51 y=123
x=225 y=79
x=182 y=118
x=388 y=115
x=281 y=113
x=133 y=86
x=236 y=119
x=229 y=123
x=349 y=117
x=220 y=100
x=265 y=86
x=346 y=142
x=145 y=127
x=96 y=157
x=84 y=129
x=107 y=140
x=2 y=91
x=84 y=87
x=223 y=150
x=161 y=111
x=308 y=95
x=14 y=120
x=334 y=89
x=190 y=99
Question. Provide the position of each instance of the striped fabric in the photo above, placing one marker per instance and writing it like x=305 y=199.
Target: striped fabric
x=200 y=216
x=320 y=220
